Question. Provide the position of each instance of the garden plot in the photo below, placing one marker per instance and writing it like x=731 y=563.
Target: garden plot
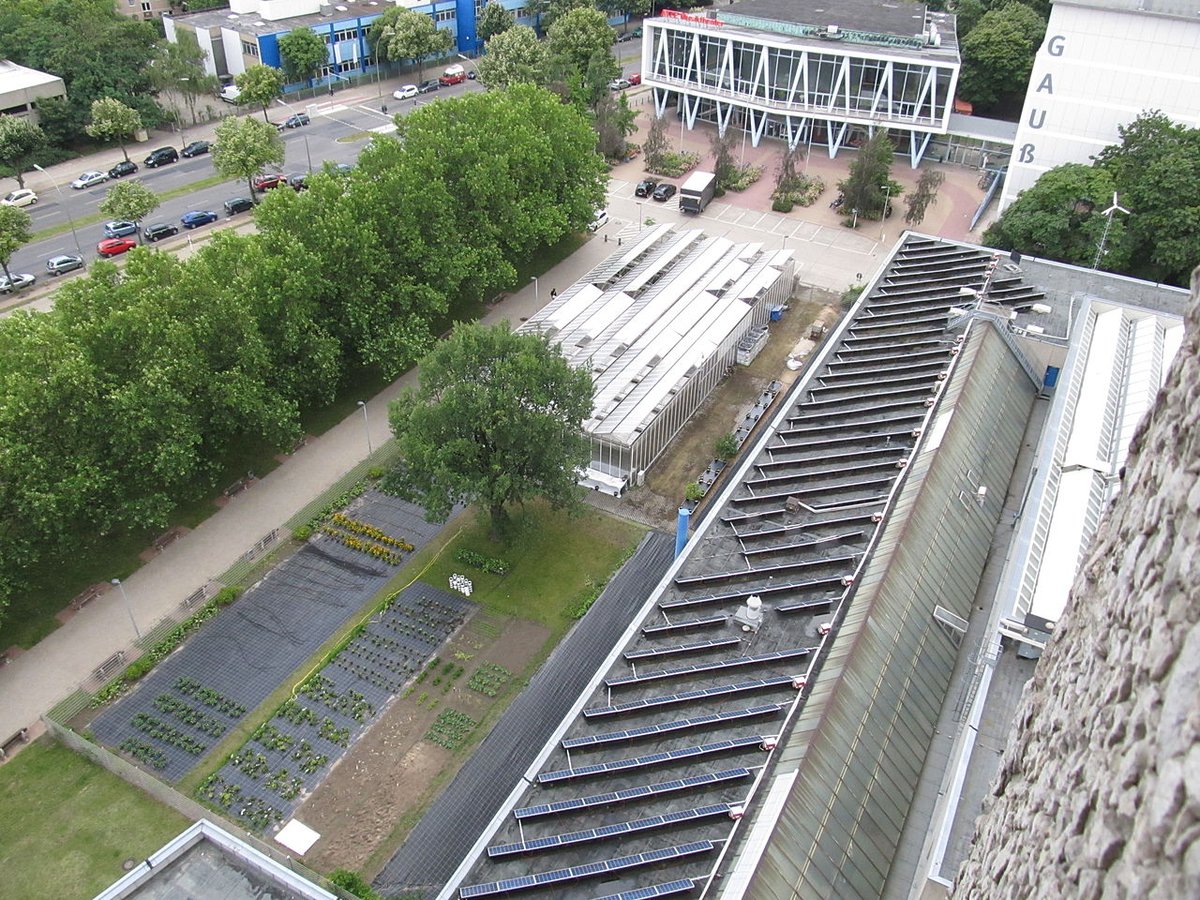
x=255 y=645
x=287 y=757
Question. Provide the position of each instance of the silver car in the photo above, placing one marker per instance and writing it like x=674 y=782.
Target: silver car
x=60 y=265
x=16 y=282
x=89 y=179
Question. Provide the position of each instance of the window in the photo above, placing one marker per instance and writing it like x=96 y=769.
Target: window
x=250 y=49
x=445 y=15
x=345 y=34
x=147 y=6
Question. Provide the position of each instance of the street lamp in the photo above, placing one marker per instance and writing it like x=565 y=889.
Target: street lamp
x=537 y=297
x=307 y=154
x=128 y=608
x=66 y=208
x=366 y=426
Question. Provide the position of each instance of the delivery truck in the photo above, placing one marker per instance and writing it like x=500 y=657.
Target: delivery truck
x=697 y=191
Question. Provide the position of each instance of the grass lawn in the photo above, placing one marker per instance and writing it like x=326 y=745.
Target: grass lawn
x=69 y=824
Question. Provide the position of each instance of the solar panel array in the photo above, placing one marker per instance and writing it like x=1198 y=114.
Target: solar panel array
x=793 y=532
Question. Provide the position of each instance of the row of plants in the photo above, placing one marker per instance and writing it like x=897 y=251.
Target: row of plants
x=250 y=763
x=161 y=650
x=351 y=704
x=451 y=729
x=490 y=564
x=189 y=687
x=367 y=530
x=403 y=626
x=332 y=733
x=144 y=753
x=488 y=679
x=370 y=674
x=189 y=715
x=161 y=731
x=391 y=557
x=293 y=712
x=310 y=760
x=285 y=784
x=338 y=503
x=254 y=811
x=272 y=738
x=672 y=163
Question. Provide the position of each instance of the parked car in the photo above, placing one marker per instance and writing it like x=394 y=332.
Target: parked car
x=343 y=169
x=123 y=168
x=17 y=282
x=119 y=228
x=89 y=179
x=236 y=205
x=618 y=84
x=625 y=36
x=645 y=188
x=161 y=157
x=454 y=74
x=427 y=86
x=159 y=230
x=115 y=246
x=634 y=78
x=664 y=192
x=196 y=148
x=298 y=182
x=23 y=197
x=471 y=74
x=600 y=220
x=60 y=265
x=267 y=180
x=196 y=218
x=296 y=121
x=405 y=92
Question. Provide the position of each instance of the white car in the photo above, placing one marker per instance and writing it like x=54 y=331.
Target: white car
x=599 y=221
x=88 y=179
x=406 y=92
x=15 y=283
x=23 y=197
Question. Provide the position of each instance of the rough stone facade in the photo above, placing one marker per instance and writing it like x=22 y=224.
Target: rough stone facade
x=1099 y=791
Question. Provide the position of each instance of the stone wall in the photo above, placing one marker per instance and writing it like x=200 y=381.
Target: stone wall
x=1099 y=791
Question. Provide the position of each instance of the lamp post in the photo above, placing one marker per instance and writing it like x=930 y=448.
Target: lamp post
x=537 y=297
x=66 y=208
x=307 y=153
x=640 y=205
x=366 y=426
x=128 y=608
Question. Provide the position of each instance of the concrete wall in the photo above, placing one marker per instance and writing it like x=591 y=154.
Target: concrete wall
x=1099 y=789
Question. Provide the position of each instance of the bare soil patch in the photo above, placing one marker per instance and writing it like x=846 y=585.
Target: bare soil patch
x=378 y=790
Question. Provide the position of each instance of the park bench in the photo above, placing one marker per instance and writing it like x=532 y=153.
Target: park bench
x=109 y=666
x=21 y=737
x=237 y=487
x=83 y=598
x=165 y=539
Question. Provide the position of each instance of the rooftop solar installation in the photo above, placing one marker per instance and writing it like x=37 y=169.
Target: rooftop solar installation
x=608 y=832
x=632 y=734
x=806 y=606
x=652 y=759
x=678 y=649
x=666 y=889
x=782 y=567
x=703 y=668
x=739 y=595
x=712 y=693
x=588 y=870
x=685 y=625
x=641 y=792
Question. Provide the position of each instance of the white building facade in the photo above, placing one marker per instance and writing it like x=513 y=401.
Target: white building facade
x=793 y=70
x=1103 y=63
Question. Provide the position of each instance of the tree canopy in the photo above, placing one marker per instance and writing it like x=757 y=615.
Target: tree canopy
x=20 y=139
x=262 y=85
x=515 y=56
x=998 y=56
x=179 y=69
x=244 y=147
x=406 y=34
x=869 y=186
x=129 y=200
x=496 y=420
x=14 y=233
x=304 y=52
x=112 y=120
x=494 y=20
x=577 y=34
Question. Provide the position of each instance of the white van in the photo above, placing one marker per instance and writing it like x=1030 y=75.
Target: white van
x=230 y=93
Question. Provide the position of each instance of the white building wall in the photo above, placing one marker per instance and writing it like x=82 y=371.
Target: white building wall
x=1099 y=69
x=235 y=60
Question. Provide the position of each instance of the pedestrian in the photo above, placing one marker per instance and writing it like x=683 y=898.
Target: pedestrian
x=553 y=293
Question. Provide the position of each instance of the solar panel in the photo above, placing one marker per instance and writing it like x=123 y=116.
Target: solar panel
x=700 y=668
x=724 y=690
x=574 y=873
x=618 y=829
x=666 y=889
x=742 y=593
x=632 y=734
x=640 y=792
x=806 y=606
x=653 y=759
x=781 y=567
x=696 y=647
x=706 y=622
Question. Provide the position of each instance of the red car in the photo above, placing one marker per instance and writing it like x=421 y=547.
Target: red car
x=634 y=79
x=115 y=246
x=269 y=180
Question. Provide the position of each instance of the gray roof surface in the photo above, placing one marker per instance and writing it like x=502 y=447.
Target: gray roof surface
x=253 y=23
x=982 y=127
x=1183 y=9
x=902 y=17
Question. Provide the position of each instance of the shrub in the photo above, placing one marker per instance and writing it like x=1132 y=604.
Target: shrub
x=354 y=883
x=782 y=204
x=672 y=165
x=303 y=533
x=744 y=176
x=376 y=472
x=694 y=492
x=726 y=446
x=490 y=564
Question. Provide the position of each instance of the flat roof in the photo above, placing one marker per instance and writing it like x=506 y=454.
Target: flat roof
x=14 y=77
x=1179 y=9
x=899 y=17
x=253 y=23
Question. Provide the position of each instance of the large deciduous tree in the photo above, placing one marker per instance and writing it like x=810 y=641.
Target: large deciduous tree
x=244 y=147
x=494 y=20
x=576 y=35
x=14 y=234
x=304 y=53
x=20 y=139
x=407 y=34
x=130 y=200
x=869 y=186
x=112 y=120
x=497 y=420
x=262 y=85
x=514 y=57
x=924 y=196
x=998 y=56
x=179 y=69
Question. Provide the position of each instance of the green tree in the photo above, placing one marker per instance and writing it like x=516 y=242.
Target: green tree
x=551 y=11
x=723 y=164
x=869 y=185
x=129 y=200
x=304 y=53
x=514 y=56
x=628 y=7
x=412 y=35
x=998 y=56
x=494 y=20
x=20 y=139
x=112 y=120
x=244 y=147
x=14 y=234
x=576 y=35
x=655 y=147
x=262 y=85
x=924 y=197
x=496 y=420
x=179 y=69
x=615 y=121
x=1059 y=218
